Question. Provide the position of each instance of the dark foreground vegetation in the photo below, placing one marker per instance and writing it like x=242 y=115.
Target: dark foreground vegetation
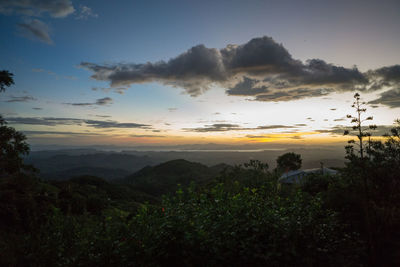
x=238 y=216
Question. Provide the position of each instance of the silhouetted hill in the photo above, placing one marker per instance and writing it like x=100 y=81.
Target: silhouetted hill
x=113 y=165
x=163 y=178
x=107 y=174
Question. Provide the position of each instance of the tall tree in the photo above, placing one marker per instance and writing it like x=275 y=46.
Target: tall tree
x=362 y=131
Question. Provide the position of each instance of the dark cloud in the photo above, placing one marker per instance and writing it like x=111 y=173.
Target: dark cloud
x=114 y=124
x=99 y=102
x=217 y=127
x=146 y=136
x=341 y=119
x=260 y=68
x=59 y=133
x=269 y=127
x=247 y=87
x=56 y=8
x=273 y=136
x=37 y=108
x=102 y=116
x=294 y=94
x=224 y=127
x=389 y=98
x=118 y=90
x=35 y=30
x=49 y=121
x=193 y=70
x=20 y=99
x=339 y=130
x=258 y=136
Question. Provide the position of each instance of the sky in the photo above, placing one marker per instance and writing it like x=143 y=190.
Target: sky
x=135 y=73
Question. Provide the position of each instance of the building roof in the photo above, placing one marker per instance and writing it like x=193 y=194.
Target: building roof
x=296 y=176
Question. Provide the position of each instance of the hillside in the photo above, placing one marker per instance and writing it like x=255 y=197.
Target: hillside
x=106 y=165
x=164 y=177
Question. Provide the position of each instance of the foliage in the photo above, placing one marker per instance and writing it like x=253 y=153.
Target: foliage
x=289 y=162
x=12 y=149
x=6 y=80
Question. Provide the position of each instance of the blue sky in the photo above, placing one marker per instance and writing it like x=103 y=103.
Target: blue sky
x=46 y=45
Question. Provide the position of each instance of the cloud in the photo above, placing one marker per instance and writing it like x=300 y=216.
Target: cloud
x=389 y=98
x=217 y=127
x=102 y=116
x=59 y=133
x=85 y=13
x=114 y=124
x=50 y=121
x=104 y=101
x=26 y=98
x=37 y=108
x=247 y=87
x=260 y=68
x=99 y=102
x=146 y=136
x=224 y=127
x=339 y=130
x=172 y=109
x=341 y=119
x=295 y=94
x=385 y=77
x=118 y=90
x=270 y=127
x=273 y=136
x=258 y=136
x=47 y=121
x=35 y=30
x=55 y=8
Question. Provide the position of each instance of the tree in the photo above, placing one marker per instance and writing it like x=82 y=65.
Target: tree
x=6 y=80
x=12 y=143
x=12 y=148
x=289 y=162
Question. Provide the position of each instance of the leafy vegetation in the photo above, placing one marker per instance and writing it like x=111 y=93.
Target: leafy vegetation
x=289 y=162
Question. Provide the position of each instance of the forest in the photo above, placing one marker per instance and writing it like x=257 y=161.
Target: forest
x=181 y=213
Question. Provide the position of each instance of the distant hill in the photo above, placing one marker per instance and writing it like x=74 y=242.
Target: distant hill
x=163 y=178
x=106 y=165
x=106 y=174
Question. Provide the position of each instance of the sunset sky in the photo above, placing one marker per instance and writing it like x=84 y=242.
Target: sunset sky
x=187 y=72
